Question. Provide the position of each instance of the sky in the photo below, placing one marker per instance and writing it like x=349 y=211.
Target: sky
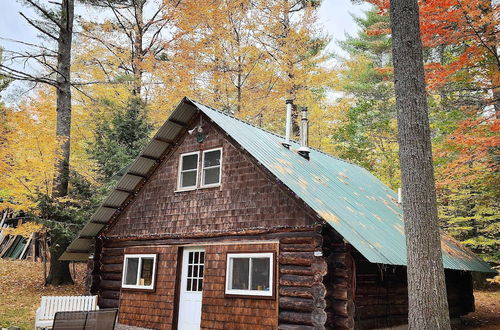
x=335 y=16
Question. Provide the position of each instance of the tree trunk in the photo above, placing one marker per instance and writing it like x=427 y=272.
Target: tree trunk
x=59 y=270
x=428 y=307
x=137 y=54
x=63 y=123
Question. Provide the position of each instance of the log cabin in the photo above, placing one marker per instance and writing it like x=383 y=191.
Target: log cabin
x=219 y=224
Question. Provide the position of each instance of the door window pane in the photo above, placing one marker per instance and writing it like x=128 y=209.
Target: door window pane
x=240 y=273
x=195 y=265
x=131 y=271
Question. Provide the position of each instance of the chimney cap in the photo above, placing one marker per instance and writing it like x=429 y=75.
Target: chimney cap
x=289 y=101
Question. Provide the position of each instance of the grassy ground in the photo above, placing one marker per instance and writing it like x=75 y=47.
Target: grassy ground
x=21 y=288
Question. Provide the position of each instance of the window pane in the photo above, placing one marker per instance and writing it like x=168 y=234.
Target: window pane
x=211 y=158
x=260 y=274
x=146 y=272
x=211 y=176
x=131 y=271
x=188 y=179
x=200 y=285
x=188 y=288
x=190 y=162
x=201 y=271
x=240 y=274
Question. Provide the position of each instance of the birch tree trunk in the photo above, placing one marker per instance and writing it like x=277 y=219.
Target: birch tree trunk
x=428 y=306
x=59 y=270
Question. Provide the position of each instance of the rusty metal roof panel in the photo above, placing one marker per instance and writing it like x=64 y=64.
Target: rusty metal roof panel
x=115 y=198
x=129 y=182
x=141 y=166
x=155 y=149
x=169 y=131
x=103 y=214
x=91 y=229
x=353 y=201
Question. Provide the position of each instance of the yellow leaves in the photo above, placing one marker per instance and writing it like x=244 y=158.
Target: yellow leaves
x=25 y=229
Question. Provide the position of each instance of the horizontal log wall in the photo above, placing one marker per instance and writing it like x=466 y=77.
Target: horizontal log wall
x=302 y=292
x=382 y=294
x=300 y=300
x=339 y=281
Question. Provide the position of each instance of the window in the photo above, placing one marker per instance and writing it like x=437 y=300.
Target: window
x=196 y=264
x=249 y=274
x=188 y=170
x=211 y=167
x=139 y=271
x=189 y=166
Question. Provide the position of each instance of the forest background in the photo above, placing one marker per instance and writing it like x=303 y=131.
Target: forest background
x=132 y=64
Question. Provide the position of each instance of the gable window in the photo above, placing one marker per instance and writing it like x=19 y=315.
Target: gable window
x=188 y=170
x=249 y=274
x=211 y=167
x=139 y=271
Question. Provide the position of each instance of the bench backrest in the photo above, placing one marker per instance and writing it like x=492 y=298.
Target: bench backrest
x=53 y=304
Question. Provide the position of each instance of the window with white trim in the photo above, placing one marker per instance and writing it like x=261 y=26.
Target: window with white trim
x=188 y=171
x=211 y=167
x=249 y=274
x=139 y=271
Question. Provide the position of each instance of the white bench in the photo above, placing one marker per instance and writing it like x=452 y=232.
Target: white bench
x=52 y=304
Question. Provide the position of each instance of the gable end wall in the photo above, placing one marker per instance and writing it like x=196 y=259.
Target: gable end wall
x=246 y=199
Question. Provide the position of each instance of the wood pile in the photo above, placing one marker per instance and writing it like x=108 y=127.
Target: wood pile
x=17 y=246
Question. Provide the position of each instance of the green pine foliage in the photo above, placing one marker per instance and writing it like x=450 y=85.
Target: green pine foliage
x=468 y=185
x=119 y=139
x=368 y=135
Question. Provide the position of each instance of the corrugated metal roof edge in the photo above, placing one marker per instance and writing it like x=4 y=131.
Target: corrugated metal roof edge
x=485 y=267
x=70 y=255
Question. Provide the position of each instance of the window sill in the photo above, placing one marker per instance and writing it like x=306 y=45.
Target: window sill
x=198 y=188
x=249 y=296
x=138 y=289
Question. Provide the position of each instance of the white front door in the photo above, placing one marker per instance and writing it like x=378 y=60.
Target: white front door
x=193 y=264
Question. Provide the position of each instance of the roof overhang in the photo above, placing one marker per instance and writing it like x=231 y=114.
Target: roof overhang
x=130 y=183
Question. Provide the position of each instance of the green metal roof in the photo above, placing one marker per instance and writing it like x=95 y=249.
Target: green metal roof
x=352 y=200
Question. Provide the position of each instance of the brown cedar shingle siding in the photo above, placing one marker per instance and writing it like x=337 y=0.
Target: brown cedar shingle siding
x=152 y=309
x=219 y=312
x=246 y=198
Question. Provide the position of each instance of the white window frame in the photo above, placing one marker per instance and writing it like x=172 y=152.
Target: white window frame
x=179 y=173
x=138 y=286
x=203 y=169
x=249 y=292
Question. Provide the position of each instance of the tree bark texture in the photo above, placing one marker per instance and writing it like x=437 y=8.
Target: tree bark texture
x=137 y=50
x=59 y=270
x=428 y=307
x=63 y=122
